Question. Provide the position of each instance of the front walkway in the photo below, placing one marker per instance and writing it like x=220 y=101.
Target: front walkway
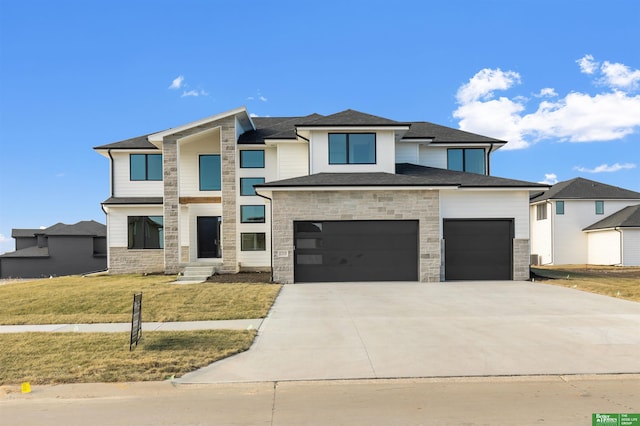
x=403 y=330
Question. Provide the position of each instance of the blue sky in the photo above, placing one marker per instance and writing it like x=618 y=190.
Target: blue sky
x=559 y=79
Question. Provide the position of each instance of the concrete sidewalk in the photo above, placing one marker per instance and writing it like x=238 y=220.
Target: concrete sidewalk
x=146 y=326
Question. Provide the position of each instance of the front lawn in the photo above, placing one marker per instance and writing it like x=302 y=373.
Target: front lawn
x=621 y=282
x=96 y=299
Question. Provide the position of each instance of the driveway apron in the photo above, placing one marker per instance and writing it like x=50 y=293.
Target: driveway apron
x=403 y=330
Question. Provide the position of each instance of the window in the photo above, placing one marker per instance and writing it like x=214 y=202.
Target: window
x=251 y=214
x=541 y=211
x=599 y=207
x=252 y=159
x=252 y=241
x=145 y=166
x=559 y=207
x=246 y=185
x=210 y=174
x=146 y=232
x=466 y=160
x=352 y=148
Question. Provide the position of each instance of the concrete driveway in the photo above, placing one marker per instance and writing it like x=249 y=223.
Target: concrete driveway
x=404 y=330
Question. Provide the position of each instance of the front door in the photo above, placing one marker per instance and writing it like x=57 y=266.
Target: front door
x=208 y=236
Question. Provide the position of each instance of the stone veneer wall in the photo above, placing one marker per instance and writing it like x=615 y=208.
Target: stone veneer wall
x=356 y=205
x=229 y=237
x=125 y=261
x=171 y=206
x=521 y=259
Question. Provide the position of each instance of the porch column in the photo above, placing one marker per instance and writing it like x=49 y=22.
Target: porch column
x=171 y=206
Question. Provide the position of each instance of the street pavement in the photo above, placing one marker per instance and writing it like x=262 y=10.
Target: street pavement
x=549 y=400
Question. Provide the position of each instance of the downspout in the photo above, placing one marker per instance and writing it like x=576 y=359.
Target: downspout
x=553 y=235
x=271 y=233
x=621 y=246
x=489 y=160
x=308 y=151
x=111 y=171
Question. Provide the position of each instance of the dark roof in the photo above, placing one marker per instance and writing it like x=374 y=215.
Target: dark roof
x=585 y=189
x=349 y=117
x=24 y=233
x=133 y=200
x=629 y=217
x=272 y=128
x=83 y=228
x=443 y=134
x=139 y=142
x=406 y=175
x=33 y=251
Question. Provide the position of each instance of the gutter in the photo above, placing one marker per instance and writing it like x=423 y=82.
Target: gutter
x=271 y=230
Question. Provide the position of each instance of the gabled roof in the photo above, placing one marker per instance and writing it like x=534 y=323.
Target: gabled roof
x=443 y=134
x=406 y=175
x=628 y=217
x=139 y=142
x=350 y=117
x=585 y=189
x=83 y=228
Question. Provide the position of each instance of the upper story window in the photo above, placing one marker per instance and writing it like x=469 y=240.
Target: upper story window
x=559 y=207
x=252 y=159
x=541 y=211
x=252 y=214
x=599 y=207
x=466 y=160
x=246 y=185
x=210 y=173
x=145 y=166
x=145 y=232
x=352 y=148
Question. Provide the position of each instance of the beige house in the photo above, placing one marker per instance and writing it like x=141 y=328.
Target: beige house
x=342 y=197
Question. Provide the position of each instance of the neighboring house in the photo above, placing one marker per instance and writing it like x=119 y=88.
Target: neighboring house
x=57 y=250
x=343 y=197
x=615 y=240
x=569 y=221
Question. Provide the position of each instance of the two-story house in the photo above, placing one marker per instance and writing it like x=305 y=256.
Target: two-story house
x=57 y=250
x=581 y=221
x=343 y=197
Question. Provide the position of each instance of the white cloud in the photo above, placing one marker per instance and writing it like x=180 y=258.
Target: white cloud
x=262 y=98
x=587 y=64
x=606 y=168
x=194 y=93
x=576 y=117
x=547 y=92
x=258 y=97
x=550 y=179
x=177 y=82
x=619 y=76
x=485 y=82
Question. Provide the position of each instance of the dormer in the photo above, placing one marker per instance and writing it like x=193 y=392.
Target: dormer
x=351 y=142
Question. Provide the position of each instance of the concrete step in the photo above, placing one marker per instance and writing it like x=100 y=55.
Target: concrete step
x=196 y=273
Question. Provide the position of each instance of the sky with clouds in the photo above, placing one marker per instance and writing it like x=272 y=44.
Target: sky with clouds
x=560 y=82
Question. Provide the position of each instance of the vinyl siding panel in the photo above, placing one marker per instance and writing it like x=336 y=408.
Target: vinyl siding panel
x=385 y=154
x=292 y=160
x=189 y=167
x=124 y=187
x=487 y=205
x=118 y=225
x=569 y=241
x=541 y=236
x=631 y=247
x=407 y=152
x=432 y=157
x=603 y=248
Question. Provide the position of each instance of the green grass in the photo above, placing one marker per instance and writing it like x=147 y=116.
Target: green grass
x=54 y=358
x=97 y=299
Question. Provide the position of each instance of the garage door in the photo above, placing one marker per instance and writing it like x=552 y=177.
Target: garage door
x=478 y=249
x=363 y=250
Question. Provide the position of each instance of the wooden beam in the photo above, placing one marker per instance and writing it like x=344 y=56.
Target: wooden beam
x=200 y=200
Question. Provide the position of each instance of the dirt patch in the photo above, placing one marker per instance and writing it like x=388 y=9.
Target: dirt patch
x=241 y=277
